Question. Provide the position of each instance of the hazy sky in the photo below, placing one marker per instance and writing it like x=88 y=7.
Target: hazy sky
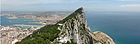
x=70 y=5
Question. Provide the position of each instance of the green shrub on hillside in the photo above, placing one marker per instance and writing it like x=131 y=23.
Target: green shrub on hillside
x=48 y=33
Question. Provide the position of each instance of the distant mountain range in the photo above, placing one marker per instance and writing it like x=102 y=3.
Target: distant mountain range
x=27 y=12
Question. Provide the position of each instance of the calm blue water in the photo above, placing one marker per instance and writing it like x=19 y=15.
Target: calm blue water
x=10 y=22
x=123 y=27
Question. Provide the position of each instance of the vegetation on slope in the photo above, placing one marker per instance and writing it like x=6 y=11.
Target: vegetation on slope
x=47 y=33
x=42 y=36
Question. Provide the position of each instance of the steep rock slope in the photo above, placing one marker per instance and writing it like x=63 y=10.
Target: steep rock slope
x=74 y=28
x=71 y=30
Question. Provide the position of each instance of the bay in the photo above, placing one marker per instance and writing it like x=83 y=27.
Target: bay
x=19 y=21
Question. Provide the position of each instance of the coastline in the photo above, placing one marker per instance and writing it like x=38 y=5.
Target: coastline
x=101 y=38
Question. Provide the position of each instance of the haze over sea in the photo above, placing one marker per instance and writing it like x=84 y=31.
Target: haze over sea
x=123 y=27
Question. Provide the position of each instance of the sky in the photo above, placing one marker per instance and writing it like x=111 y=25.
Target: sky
x=70 y=5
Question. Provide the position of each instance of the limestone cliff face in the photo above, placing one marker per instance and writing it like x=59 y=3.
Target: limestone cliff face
x=71 y=30
x=74 y=29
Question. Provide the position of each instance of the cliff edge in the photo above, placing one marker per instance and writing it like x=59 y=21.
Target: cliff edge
x=71 y=30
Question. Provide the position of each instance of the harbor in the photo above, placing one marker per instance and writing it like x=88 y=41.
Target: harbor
x=14 y=28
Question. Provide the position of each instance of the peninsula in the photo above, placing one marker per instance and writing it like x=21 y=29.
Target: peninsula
x=71 y=30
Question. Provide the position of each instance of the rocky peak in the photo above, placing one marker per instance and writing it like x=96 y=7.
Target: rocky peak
x=74 y=28
x=71 y=30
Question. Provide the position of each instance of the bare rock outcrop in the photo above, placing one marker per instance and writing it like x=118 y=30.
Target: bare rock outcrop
x=71 y=30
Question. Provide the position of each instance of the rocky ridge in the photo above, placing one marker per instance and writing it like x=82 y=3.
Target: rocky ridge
x=74 y=29
x=71 y=30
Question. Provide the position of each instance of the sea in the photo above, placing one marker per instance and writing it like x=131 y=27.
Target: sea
x=123 y=27
x=17 y=21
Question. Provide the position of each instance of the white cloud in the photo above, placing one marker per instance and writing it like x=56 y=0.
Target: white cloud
x=37 y=1
x=129 y=0
x=28 y=2
x=23 y=4
x=130 y=5
x=27 y=5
